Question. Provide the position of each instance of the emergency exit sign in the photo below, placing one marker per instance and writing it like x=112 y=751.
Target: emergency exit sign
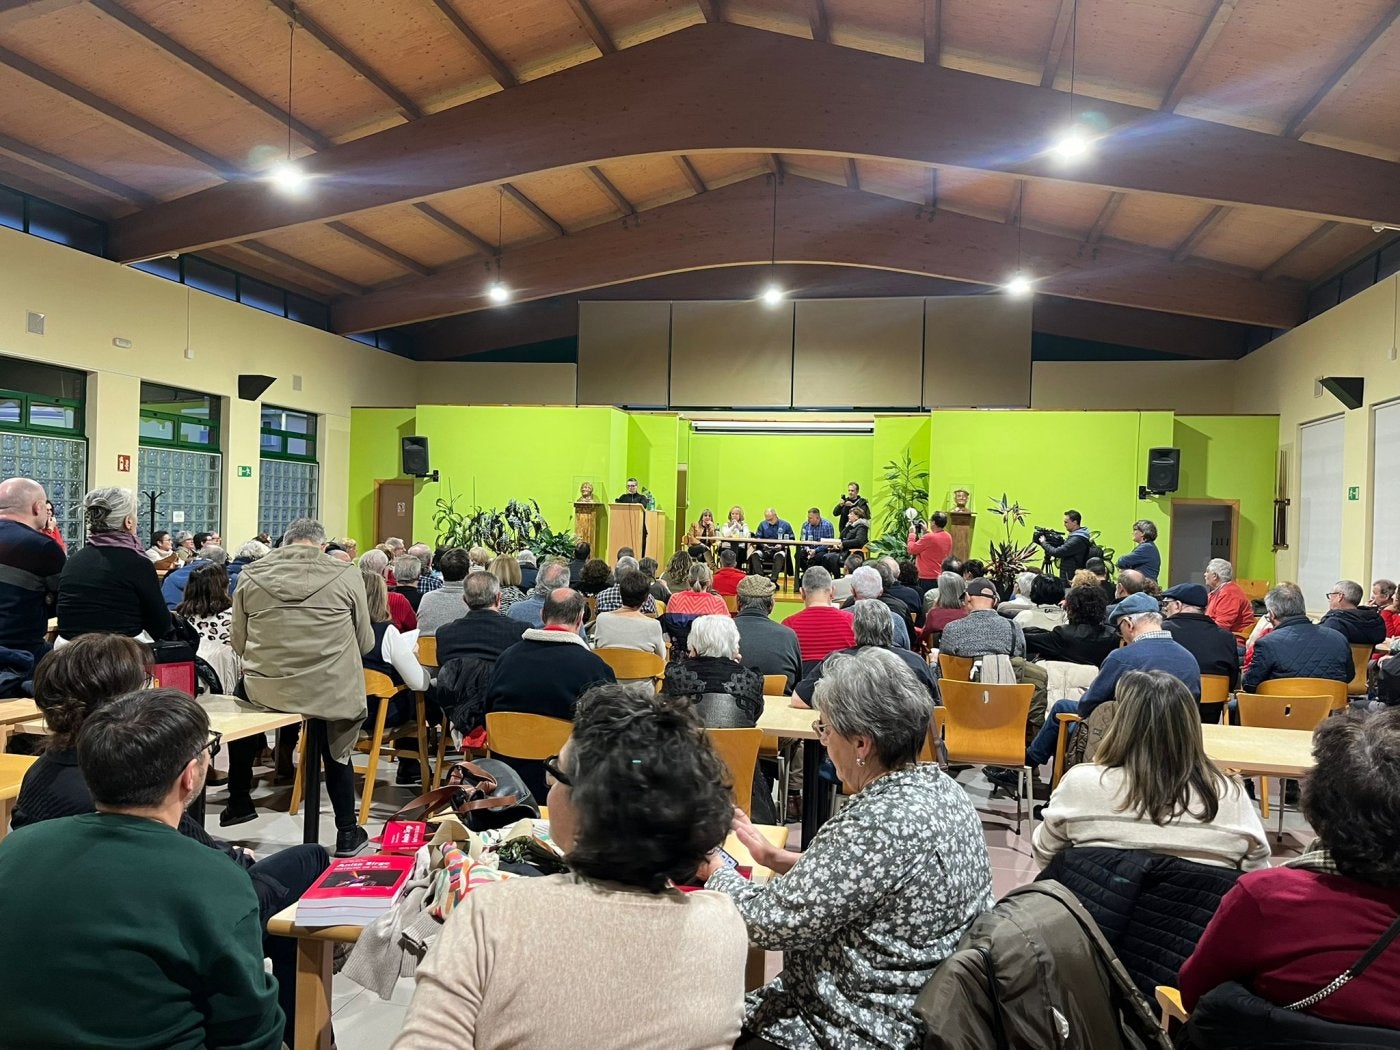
x=245 y=472
x=1354 y=492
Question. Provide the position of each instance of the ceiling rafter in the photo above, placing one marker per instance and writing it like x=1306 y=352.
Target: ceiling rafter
x=1016 y=212
x=1110 y=209
x=65 y=168
x=775 y=165
x=534 y=210
x=820 y=22
x=380 y=249
x=852 y=174
x=1350 y=68
x=692 y=176
x=595 y=29
x=306 y=269
x=115 y=113
x=1187 y=247
x=710 y=10
x=700 y=85
x=933 y=32
x=1200 y=50
x=14 y=12
x=610 y=191
x=207 y=69
x=500 y=72
x=1055 y=49
x=1275 y=268
x=825 y=224
x=452 y=226
x=406 y=105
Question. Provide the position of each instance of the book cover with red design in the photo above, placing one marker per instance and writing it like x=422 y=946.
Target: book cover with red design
x=354 y=891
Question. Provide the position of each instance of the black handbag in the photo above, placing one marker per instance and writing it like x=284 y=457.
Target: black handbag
x=483 y=795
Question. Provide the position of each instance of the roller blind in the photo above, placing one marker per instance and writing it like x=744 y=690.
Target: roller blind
x=1385 y=511
x=1320 y=509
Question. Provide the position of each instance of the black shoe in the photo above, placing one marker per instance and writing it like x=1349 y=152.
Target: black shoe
x=238 y=811
x=1249 y=786
x=1290 y=793
x=283 y=777
x=410 y=772
x=349 y=841
x=1004 y=778
x=1040 y=791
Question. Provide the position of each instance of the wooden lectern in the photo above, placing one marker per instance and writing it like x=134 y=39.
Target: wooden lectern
x=655 y=522
x=591 y=524
x=625 y=528
x=960 y=523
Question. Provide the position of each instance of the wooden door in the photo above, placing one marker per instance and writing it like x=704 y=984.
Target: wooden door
x=393 y=510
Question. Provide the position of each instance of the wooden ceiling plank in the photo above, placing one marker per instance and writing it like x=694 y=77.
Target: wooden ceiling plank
x=500 y=72
x=85 y=176
x=1018 y=203
x=291 y=262
x=1115 y=200
x=1213 y=219
x=820 y=22
x=115 y=113
x=691 y=175
x=613 y=193
x=1055 y=49
x=1350 y=68
x=602 y=40
x=701 y=82
x=534 y=210
x=852 y=174
x=380 y=249
x=1275 y=268
x=710 y=10
x=406 y=105
x=933 y=32
x=207 y=69
x=15 y=12
x=826 y=224
x=775 y=165
x=455 y=228
x=1198 y=54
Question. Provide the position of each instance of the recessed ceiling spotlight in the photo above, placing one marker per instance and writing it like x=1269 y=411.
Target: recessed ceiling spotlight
x=1019 y=285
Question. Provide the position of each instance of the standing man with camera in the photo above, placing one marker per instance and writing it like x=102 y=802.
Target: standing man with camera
x=1071 y=549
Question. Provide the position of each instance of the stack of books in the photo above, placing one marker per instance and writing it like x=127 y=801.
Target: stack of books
x=354 y=891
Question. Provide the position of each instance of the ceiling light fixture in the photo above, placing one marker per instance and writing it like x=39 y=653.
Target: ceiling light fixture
x=773 y=295
x=1019 y=285
x=499 y=291
x=287 y=175
x=1075 y=141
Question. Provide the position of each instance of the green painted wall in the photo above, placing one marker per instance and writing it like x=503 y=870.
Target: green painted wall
x=893 y=434
x=374 y=456
x=651 y=457
x=1234 y=457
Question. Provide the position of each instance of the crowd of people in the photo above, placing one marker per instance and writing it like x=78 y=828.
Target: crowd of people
x=174 y=945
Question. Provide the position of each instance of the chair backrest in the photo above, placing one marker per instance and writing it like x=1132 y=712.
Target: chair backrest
x=955 y=668
x=739 y=750
x=731 y=602
x=632 y=663
x=1307 y=687
x=660 y=607
x=379 y=684
x=427 y=650
x=515 y=734
x=1305 y=713
x=985 y=724
x=1254 y=590
x=1215 y=688
x=775 y=685
x=1360 y=659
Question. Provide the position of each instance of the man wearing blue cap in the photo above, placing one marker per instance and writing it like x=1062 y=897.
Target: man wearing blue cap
x=1213 y=647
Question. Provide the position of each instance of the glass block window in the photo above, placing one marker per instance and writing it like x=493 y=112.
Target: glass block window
x=286 y=491
x=188 y=483
x=288 y=435
x=175 y=418
x=60 y=465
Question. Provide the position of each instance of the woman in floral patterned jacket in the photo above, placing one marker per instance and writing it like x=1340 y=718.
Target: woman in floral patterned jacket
x=883 y=893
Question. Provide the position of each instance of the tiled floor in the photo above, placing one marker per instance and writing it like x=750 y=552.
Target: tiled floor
x=365 y=1022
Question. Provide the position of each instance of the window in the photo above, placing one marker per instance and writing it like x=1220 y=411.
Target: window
x=288 y=435
x=287 y=473
x=1320 y=508
x=60 y=465
x=39 y=398
x=175 y=418
x=188 y=489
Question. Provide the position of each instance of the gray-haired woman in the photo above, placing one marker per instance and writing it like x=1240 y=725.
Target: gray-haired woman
x=883 y=893
x=110 y=585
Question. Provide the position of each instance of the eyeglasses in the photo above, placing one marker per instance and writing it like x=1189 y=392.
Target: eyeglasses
x=821 y=729
x=554 y=774
x=211 y=745
x=1333 y=594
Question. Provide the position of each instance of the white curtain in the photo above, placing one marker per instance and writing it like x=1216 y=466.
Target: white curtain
x=1320 y=497
x=1385 y=510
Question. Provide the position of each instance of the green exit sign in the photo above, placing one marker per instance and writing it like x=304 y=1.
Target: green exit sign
x=245 y=472
x=1354 y=492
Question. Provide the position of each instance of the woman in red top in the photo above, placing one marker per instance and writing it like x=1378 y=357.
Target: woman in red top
x=401 y=613
x=1288 y=932
x=950 y=605
x=50 y=530
x=1385 y=596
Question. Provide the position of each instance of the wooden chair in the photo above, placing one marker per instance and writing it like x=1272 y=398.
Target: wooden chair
x=986 y=725
x=632 y=664
x=427 y=650
x=1361 y=659
x=1169 y=1002
x=956 y=668
x=731 y=602
x=1065 y=718
x=660 y=609
x=1301 y=713
x=530 y=738
x=739 y=750
x=12 y=770
x=592 y=602
x=1215 y=689
x=1307 y=687
x=1254 y=590
x=770 y=749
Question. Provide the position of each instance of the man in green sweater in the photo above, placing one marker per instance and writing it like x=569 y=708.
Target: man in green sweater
x=120 y=932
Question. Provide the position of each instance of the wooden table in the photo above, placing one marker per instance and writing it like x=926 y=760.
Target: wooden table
x=12 y=770
x=235 y=719
x=1276 y=752
x=14 y=712
x=316 y=950
x=795 y=723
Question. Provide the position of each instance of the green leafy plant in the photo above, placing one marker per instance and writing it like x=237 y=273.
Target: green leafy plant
x=905 y=486
x=1008 y=557
x=520 y=526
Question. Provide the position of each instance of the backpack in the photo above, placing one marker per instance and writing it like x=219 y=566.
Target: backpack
x=1035 y=973
x=1087 y=735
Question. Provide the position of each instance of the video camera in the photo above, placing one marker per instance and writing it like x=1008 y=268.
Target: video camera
x=1053 y=536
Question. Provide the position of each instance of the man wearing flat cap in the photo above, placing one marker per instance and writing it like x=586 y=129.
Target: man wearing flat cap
x=765 y=645
x=1214 y=648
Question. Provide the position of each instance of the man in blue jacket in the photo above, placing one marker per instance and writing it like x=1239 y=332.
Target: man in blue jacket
x=770 y=560
x=1296 y=647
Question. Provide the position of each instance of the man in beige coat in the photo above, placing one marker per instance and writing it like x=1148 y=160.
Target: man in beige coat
x=301 y=624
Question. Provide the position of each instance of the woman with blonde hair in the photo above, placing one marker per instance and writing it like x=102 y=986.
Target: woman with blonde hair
x=703 y=529
x=400 y=608
x=507 y=570
x=688 y=605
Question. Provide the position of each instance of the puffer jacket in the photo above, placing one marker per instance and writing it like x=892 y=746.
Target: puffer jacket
x=1231 y=1017
x=1151 y=908
x=1299 y=648
x=1362 y=626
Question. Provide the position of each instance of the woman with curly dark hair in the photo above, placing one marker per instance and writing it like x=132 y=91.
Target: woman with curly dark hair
x=1086 y=639
x=638 y=800
x=1287 y=933
x=595 y=577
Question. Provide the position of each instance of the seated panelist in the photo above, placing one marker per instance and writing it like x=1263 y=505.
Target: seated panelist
x=735 y=528
x=815 y=528
x=770 y=560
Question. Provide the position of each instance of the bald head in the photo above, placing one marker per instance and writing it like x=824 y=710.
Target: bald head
x=23 y=500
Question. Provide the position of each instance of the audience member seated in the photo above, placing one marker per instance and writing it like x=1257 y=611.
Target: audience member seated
x=868 y=582
x=946 y=602
x=1084 y=639
x=582 y=553
x=247 y=554
x=1286 y=933
x=821 y=627
x=597 y=576
x=1099 y=570
x=528 y=568
x=729 y=576
x=552 y=575
x=1144 y=557
x=1358 y=624
x=871 y=629
x=1213 y=647
x=153 y=939
x=172 y=588
x=677 y=570
x=184 y=546
x=696 y=600
x=855 y=534
x=400 y=608
x=110 y=585
x=393 y=655
x=765 y=645
x=656 y=587
x=981 y=632
x=407 y=569
x=428 y=578
x=1228 y=606
x=610 y=598
x=546 y=672
x=973 y=569
x=905 y=594
x=1046 y=613
x=162 y=547
x=1296 y=647
x=841 y=591
x=727 y=694
x=1020 y=600
x=507 y=571
x=443 y=605
x=1389 y=609
x=907 y=584
x=883 y=894
x=467 y=650
x=628 y=627
x=480 y=558
x=31 y=564
x=209 y=609
x=1152 y=787
x=300 y=623
x=637 y=799
x=74 y=682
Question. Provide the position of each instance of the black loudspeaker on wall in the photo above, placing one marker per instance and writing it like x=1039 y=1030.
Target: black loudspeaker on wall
x=1163 y=472
x=251 y=387
x=415 y=457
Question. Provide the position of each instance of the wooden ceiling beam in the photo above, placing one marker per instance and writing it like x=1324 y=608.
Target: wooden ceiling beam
x=775 y=166
x=500 y=72
x=1187 y=248
x=1110 y=209
x=701 y=82
x=66 y=169
x=1200 y=50
x=692 y=176
x=115 y=113
x=610 y=191
x=1350 y=68
x=852 y=174
x=824 y=224
x=1016 y=212
x=595 y=29
x=208 y=70
x=820 y=22
x=1055 y=49
x=534 y=210
x=933 y=32
x=16 y=12
x=380 y=249
x=306 y=269
x=406 y=106
x=455 y=228
x=1275 y=268
x=710 y=10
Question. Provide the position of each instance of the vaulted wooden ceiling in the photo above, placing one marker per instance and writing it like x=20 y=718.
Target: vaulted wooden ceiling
x=1247 y=145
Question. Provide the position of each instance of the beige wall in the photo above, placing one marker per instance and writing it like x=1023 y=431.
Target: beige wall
x=1184 y=387
x=495 y=383
x=89 y=302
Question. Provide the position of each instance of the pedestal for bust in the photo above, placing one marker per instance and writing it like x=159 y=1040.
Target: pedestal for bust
x=960 y=523
x=591 y=523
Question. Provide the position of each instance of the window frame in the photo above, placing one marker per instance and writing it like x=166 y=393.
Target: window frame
x=285 y=436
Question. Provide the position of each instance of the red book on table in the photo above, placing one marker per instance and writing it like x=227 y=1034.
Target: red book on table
x=354 y=891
